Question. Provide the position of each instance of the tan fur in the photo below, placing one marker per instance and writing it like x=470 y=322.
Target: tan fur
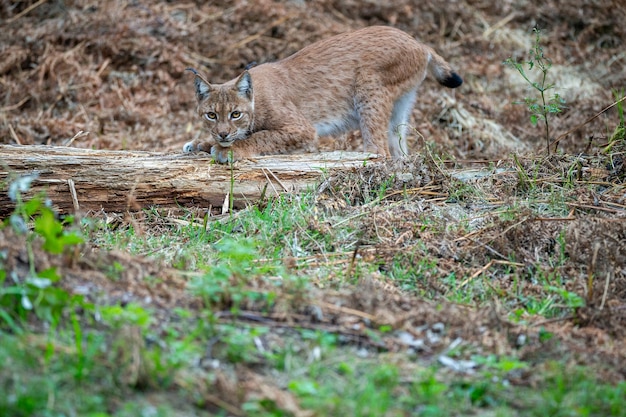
x=366 y=79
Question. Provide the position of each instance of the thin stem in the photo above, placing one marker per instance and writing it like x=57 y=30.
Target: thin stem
x=544 y=109
x=232 y=183
x=540 y=60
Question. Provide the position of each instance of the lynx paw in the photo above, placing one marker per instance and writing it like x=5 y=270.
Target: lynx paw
x=189 y=147
x=198 y=145
x=221 y=155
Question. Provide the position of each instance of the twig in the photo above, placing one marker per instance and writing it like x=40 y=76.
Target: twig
x=415 y=191
x=553 y=219
x=130 y=199
x=15 y=106
x=225 y=204
x=489 y=248
x=419 y=190
x=557 y=140
x=15 y=137
x=277 y=180
x=105 y=64
x=467 y=236
x=499 y=24
x=223 y=405
x=70 y=183
x=606 y=288
x=346 y=310
x=472 y=161
x=483 y=269
x=269 y=182
x=26 y=11
x=206 y=17
x=80 y=134
x=554 y=320
x=352 y=261
x=587 y=206
x=192 y=58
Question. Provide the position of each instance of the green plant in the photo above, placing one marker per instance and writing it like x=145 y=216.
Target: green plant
x=524 y=180
x=619 y=133
x=237 y=279
x=541 y=107
x=34 y=290
x=132 y=314
x=36 y=386
x=368 y=391
x=498 y=365
x=411 y=270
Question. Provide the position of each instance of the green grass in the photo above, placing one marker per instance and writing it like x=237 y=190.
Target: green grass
x=257 y=272
x=334 y=385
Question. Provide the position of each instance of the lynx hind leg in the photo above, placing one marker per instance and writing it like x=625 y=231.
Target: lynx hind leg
x=399 y=123
x=374 y=113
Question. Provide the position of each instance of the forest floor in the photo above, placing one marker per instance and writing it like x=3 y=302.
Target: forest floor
x=480 y=276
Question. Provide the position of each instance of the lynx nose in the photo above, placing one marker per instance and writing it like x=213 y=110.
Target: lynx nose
x=223 y=135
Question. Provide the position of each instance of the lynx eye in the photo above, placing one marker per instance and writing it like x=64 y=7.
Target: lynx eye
x=211 y=116
x=235 y=115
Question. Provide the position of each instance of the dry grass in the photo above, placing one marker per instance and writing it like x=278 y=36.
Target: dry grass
x=116 y=71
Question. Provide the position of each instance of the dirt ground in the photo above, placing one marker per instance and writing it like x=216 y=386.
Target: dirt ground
x=111 y=75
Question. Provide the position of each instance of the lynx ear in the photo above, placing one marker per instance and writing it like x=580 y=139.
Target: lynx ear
x=244 y=85
x=203 y=88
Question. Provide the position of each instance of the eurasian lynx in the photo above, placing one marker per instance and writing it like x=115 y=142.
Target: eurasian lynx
x=366 y=79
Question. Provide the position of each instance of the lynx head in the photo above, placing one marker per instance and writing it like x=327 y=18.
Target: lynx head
x=227 y=109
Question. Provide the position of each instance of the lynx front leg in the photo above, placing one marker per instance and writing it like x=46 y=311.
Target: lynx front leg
x=238 y=150
x=287 y=139
x=204 y=145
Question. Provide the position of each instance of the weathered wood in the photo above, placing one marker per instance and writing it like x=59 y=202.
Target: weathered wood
x=116 y=181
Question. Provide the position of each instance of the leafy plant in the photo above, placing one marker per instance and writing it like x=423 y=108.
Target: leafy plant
x=35 y=292
x=541 y=107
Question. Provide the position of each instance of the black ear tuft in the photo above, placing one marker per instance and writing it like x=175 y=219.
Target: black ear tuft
x=193 y=70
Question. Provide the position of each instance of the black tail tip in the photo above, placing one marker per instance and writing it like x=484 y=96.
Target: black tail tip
x=452 y=81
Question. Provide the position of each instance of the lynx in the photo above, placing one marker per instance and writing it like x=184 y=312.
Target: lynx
x=366 y=79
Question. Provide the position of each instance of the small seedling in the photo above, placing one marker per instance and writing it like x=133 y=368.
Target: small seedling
x=35 y=291
x=541 y=107
x=619 y=134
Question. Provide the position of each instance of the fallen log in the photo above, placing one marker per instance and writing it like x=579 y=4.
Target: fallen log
x=114 y=181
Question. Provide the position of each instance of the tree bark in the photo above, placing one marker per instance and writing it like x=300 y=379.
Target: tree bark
x=115 y=181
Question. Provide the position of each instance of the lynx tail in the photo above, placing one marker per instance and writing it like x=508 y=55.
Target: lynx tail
x=442 y=71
